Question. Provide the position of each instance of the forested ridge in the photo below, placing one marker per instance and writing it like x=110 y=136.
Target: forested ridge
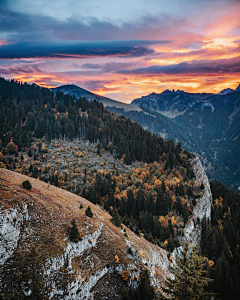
x=209 y=125
x=29 y=111
x=156 y=199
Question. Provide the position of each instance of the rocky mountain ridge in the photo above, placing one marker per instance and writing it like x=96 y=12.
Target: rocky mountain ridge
x=103 y=250
x=207 y=124
x=175 y=103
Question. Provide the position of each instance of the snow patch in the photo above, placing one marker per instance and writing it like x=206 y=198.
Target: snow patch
x=207 y=104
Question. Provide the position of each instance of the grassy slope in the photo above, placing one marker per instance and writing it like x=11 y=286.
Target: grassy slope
x=51 y=210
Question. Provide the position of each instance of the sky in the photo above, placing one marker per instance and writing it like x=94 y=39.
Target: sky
x=122 y=49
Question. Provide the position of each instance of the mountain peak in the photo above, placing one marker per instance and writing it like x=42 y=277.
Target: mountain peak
x=238 y=88
x=173 y=91
x=226 y=91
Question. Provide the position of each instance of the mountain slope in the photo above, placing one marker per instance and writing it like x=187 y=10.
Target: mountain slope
x=42 y=216
x=82 y=93
x=207 y=124
x=214 y=125
x=95 y=265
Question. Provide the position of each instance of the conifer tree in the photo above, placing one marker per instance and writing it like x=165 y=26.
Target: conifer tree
x=146 y=290
x=116 y=218
x=74 y=233
x=88 y=212
x=30 y=152
x=186 y=281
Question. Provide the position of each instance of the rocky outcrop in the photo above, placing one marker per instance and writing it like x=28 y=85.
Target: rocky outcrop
x=78 y=289
x=203 y=207
x=192 y=231
x=74 y=250
x=10 y=228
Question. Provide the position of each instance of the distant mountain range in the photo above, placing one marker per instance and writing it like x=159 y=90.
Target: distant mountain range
x=207 y=124
x=175 y=103
x=213 y=121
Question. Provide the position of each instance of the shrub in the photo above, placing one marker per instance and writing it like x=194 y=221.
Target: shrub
x=88 y=212
x=81 y=206
x=27 y=184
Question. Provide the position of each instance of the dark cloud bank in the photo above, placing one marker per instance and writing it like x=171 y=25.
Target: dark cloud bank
x=77 y=49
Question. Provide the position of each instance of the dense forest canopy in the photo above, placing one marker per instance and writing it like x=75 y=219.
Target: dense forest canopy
x=31 y=111
x=220 y=242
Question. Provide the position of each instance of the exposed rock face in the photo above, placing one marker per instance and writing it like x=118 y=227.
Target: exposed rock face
x=89 y=249
x=72 y=270
x=204 y=204
x=10 y=226
x=192 y=231
x=75 y=250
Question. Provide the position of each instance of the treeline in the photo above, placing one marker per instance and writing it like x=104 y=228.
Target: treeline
x=221 y=242
x=29 y=111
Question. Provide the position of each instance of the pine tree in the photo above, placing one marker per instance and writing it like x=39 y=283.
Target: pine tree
x=88 y=212
x=74 y=233
x=30 y=152
x=116 y=218
x=98 y=149
x=146 y=290
x=187 y=281
x=27 y=184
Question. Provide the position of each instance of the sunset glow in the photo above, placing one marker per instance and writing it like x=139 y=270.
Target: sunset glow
x=195 y=48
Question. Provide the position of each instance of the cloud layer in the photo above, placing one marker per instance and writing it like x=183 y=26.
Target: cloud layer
x=122 y=49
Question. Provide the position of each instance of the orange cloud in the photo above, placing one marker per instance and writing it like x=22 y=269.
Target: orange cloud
x=202 y=39
x=39 y=79
x=221 y=43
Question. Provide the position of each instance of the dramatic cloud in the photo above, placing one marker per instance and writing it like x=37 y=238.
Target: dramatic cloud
x=122 y=49
x=77 y=49
x=195 y=67
x=108 y=67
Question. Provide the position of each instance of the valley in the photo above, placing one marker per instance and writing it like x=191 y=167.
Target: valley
x=206 y=124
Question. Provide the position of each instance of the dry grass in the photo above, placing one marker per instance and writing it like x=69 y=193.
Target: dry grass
x=51 y=210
